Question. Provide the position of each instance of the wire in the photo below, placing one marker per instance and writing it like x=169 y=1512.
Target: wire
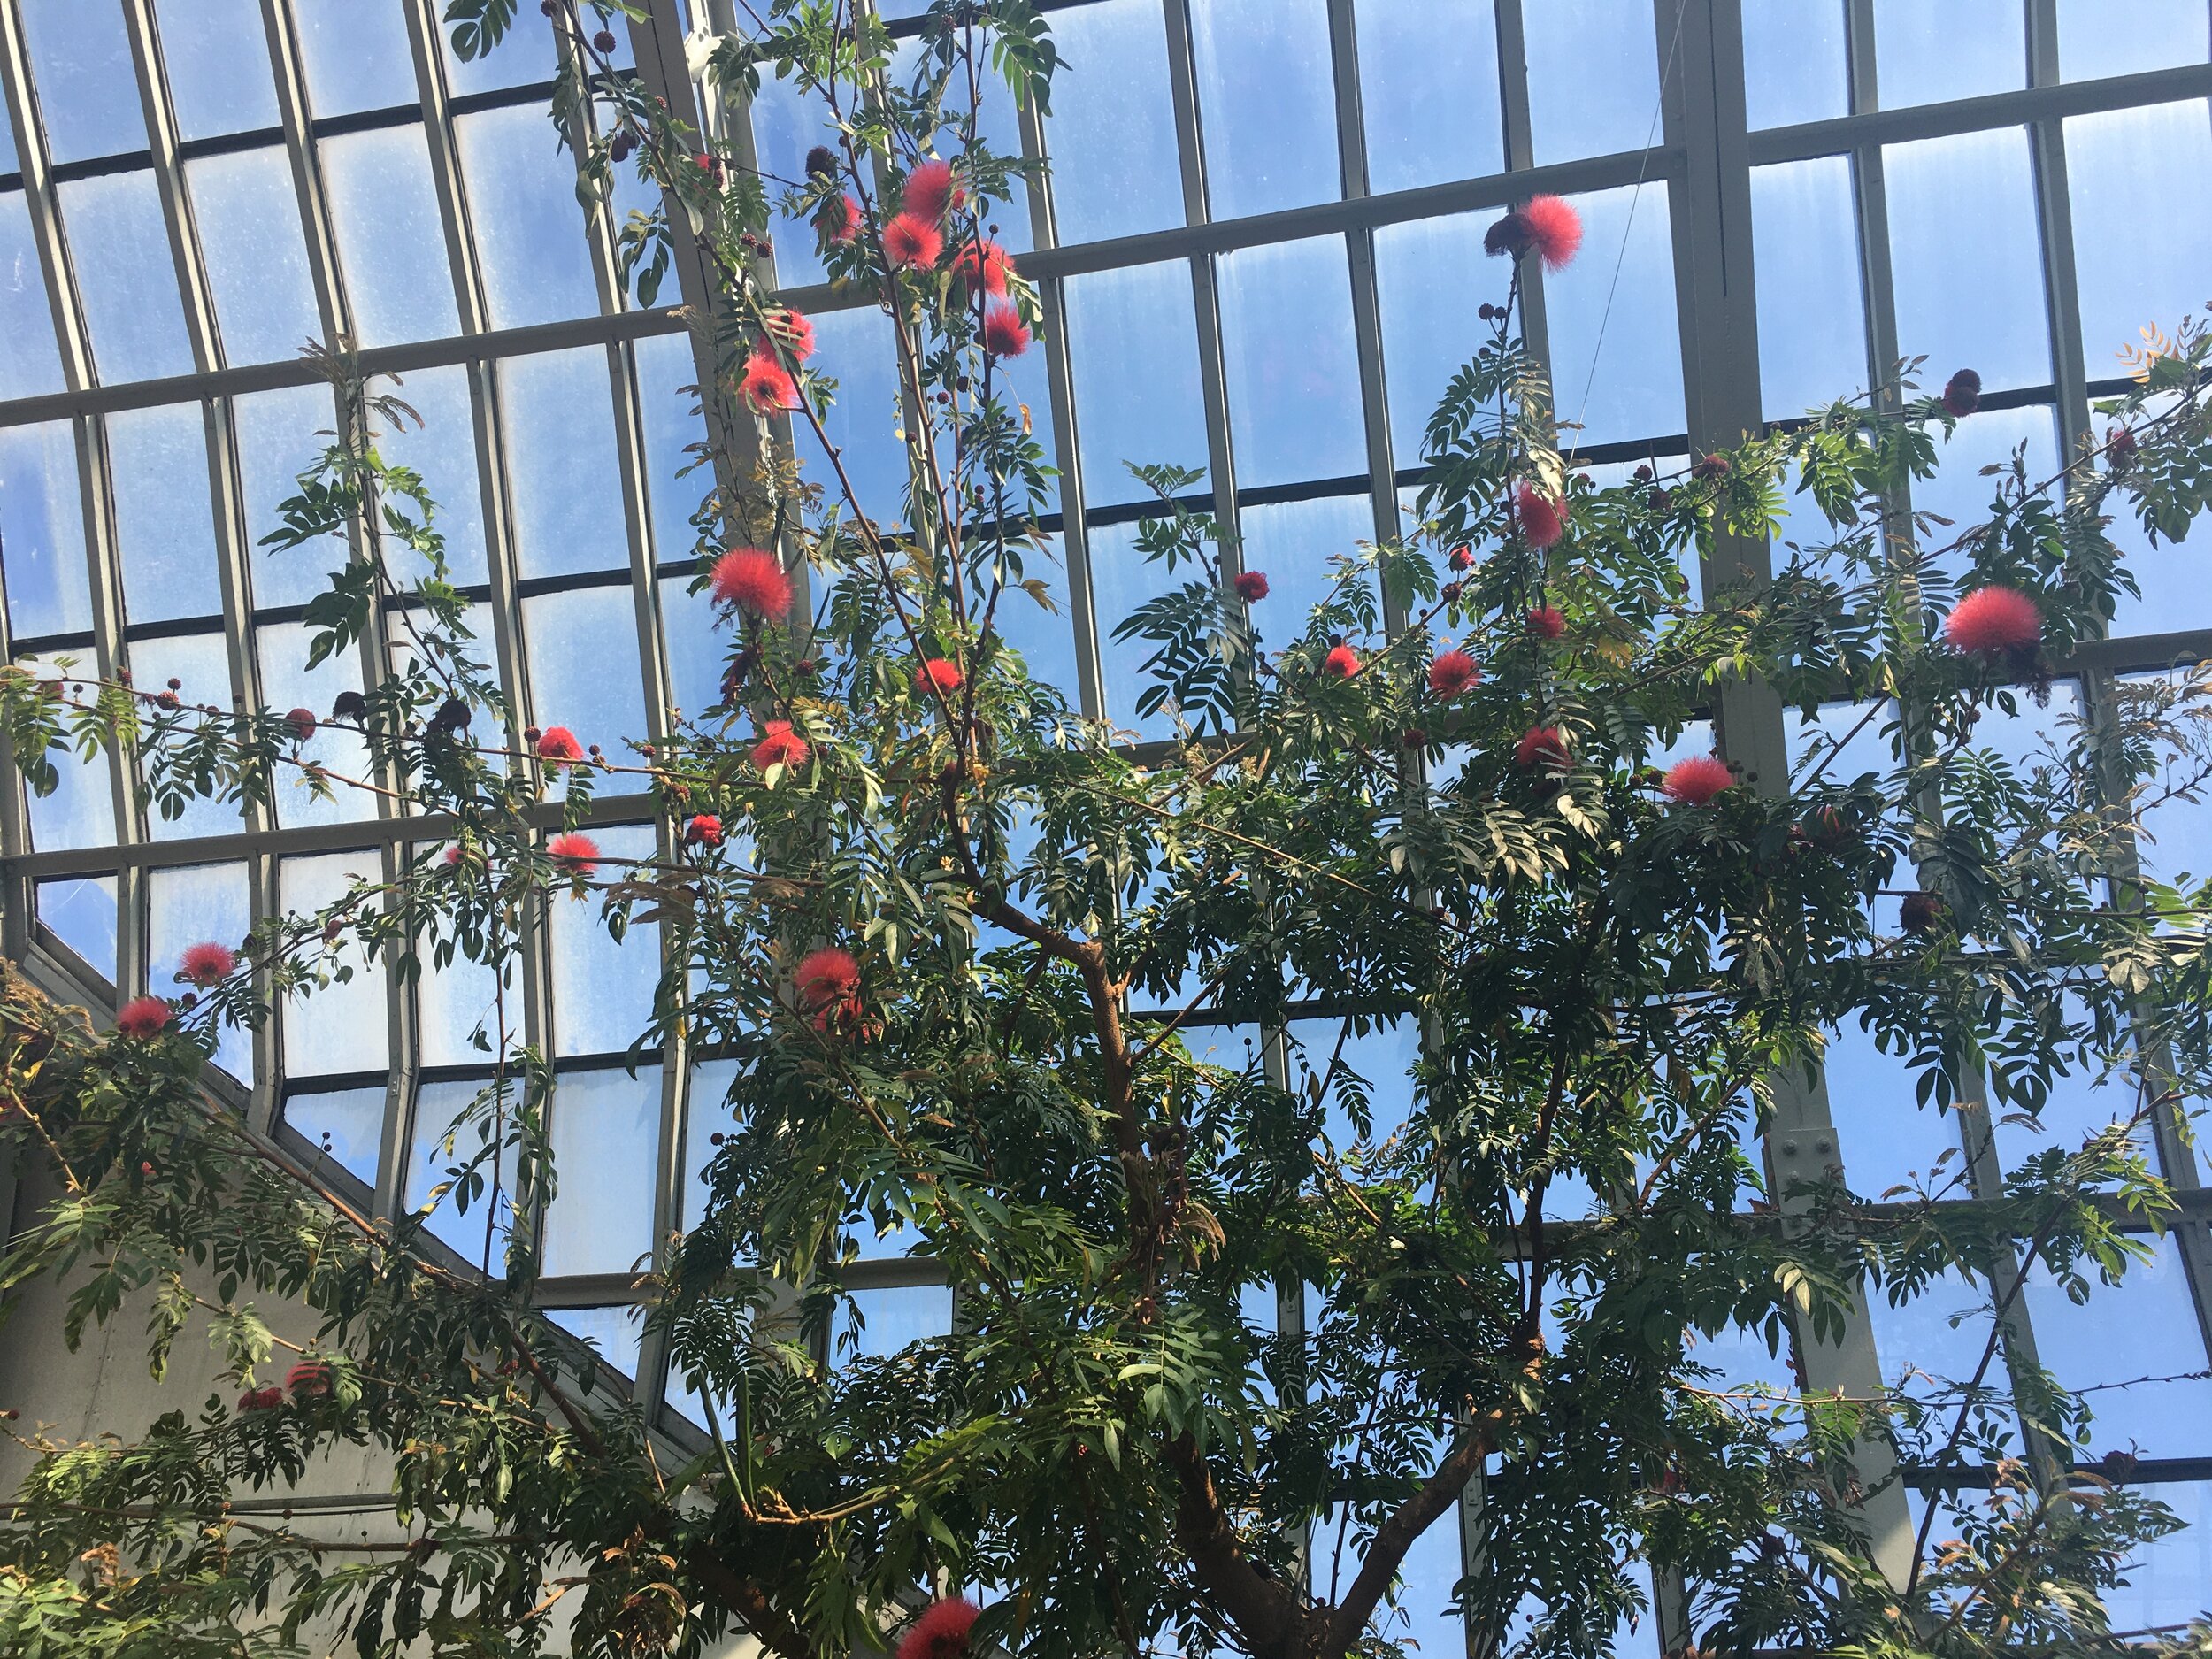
x=1643 y=166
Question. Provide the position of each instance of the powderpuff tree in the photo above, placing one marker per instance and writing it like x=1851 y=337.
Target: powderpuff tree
x=930 y=954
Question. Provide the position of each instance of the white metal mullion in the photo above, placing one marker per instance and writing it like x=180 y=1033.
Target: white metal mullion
x=1520 y=155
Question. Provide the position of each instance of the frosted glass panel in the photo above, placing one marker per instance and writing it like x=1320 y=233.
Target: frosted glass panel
x=1967 y=261
x=605 y=1131
x=339 y=1027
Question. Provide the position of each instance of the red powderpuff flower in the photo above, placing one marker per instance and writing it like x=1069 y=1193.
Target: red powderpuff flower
x=260 y=1400
x=753 y=580
x=928 y=187
x=704 y=830
x=1554 y=230
x=1696 y=781
x=1004 y=333
x=768 y=387
x=838 y=220
x=1962 y=392
x=1251 y=585
x=1546 y=623
x=1541 y=744
x=792 y=332
x=942 y=1632
x=302 y=722
x=912 y=243
x=780 y=746
x=143 y=1017
x=309 y=1380
x=1991 y=621
x=1452 y=673
x=579 y=853
x=827 y=979
x=1541 y=521
x=1342 y=662
x=208 y=963
x=558 y=744
x=2119 y=448
x=982 y=264
x=939 y=672
x=451 y=856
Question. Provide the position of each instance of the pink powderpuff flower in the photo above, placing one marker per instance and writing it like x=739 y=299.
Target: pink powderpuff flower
x=1004 y=333
x=1251 y=585
x=839 y=220
x=1542 y=522
x=982 y=264
x=452 y=857
x=780 y=746
x=704 y=830
x=208 y=963
x=940 y=673
x=828 y=986
x=912 y=243
x=793 y=331
x=1544 y=745
x=143 y=1017
x=579 y=853
x=753 y=580
x=1452 y=673
x=1554 y=230
x=1341 y=662
x=309 y=1380
x=301 y=722
x=768 y=387
x=1546 y=623
x=558 y=744
x=1994 y=621
x=941 y=1631
x=1697 y=779
x=928 y=188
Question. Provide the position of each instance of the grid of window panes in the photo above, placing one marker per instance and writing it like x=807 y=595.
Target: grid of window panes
x=1259 y=244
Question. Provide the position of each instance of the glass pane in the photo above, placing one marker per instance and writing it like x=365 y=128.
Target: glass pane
x=1429 y=90
x=529 y=229
x=603 y=992
x=583 y=666
x=2176 y=839
x=1593 y=77
x=81 y=912
x=854 y=348
x=1958 y=49
x=2123 y=37
x=2146 y=1326
x=198 y=904
x=1045 y=638
x=2138 y=262
x=1958 y=491
x=878 y=1323
x=1963 y=247
x=452 y=1002
x=525 y=55
x=164 y=529
x=1292 y=542
x=1812 y=327
x=668 y=413
x=1619 y=375
x=1932 y=1344
x=606 y=1135
x=707 y=1115
x=30 y=362
x=1111 y=134
x=348 y=1123
x=280 y=435
x=217 y=58
x=200 y=663
x=1267 y=104
x=2166 y=1578
x=41 y=531
x=340 y=1027
x=1794 y=62
x=438 y=1144
x=1382 y=1060
x=442 y=451
x=1430 y=275
x=698 y=650
x=1133 y=345
x=80 y=812
x=1885 y=1138
x=119 y=248
x=565 y=488
x=1291 y=364
x=614 y=1333
x=257 y=259
x=785 y=125
x=80 y=64
x=287 y=683
x=1121 y=580
x=391 y=245
x=357 y=56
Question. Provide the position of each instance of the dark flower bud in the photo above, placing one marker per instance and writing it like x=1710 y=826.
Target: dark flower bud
x=1659 y=501
x=1962 y=392
x=1451 y=592
x=1641 y=475
x=349 y=705
x=604 y=42
x=1712 y=466
x=175 y=684
x=1512 y=234
x=2119 y=447
x=1415 y=738
x=1486 y=310
x=821 y=162
x=1920 y=912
